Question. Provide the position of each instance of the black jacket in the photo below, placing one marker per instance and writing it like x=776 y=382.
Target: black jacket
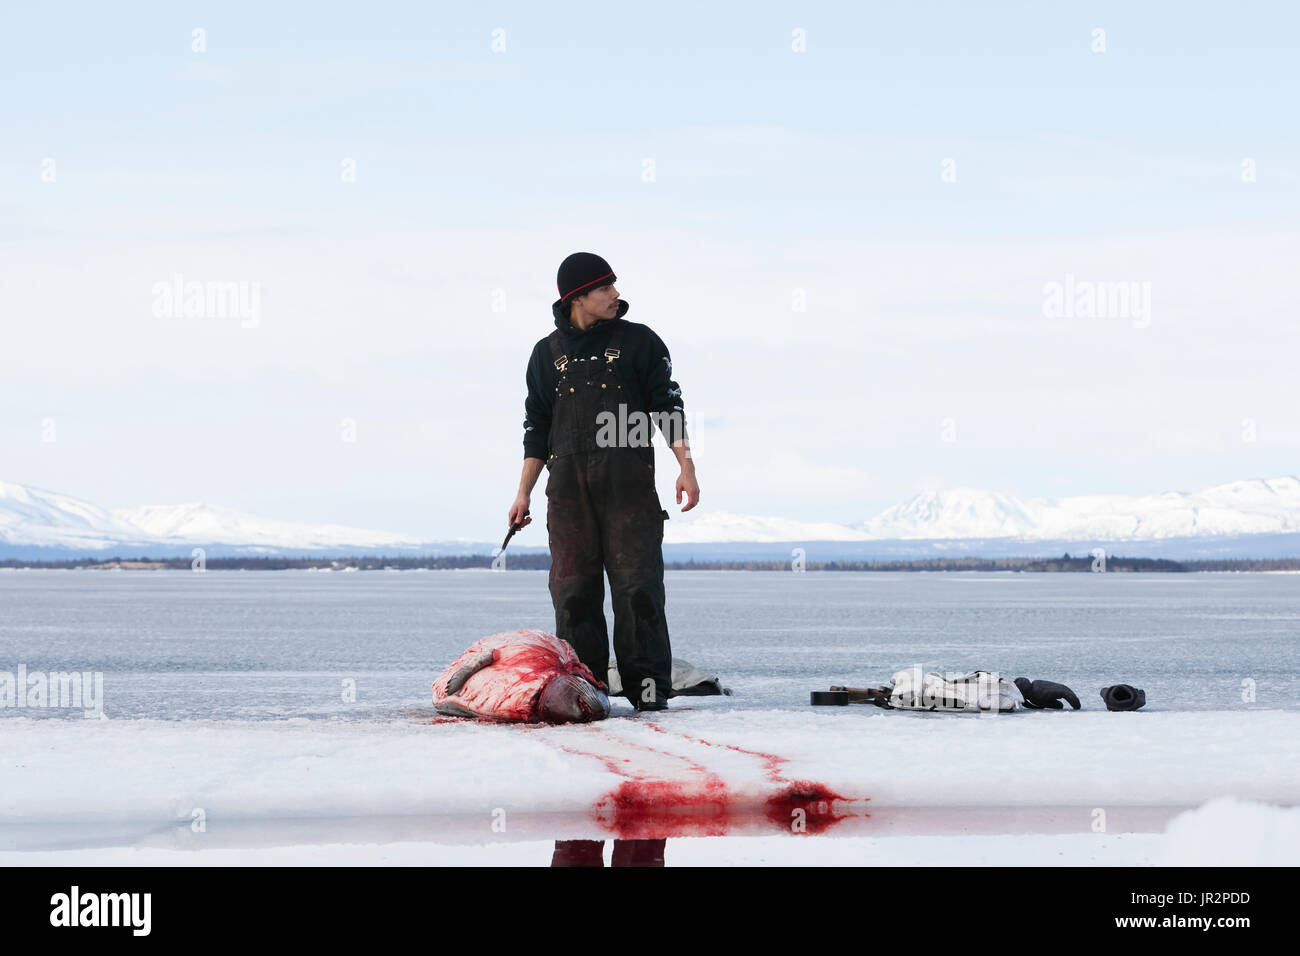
x=644 y=367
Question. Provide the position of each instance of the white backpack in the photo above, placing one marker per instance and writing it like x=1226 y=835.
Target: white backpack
x=976 y=692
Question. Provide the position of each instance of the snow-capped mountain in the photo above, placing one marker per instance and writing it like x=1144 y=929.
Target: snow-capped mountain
x=198 y=523
x=1257 y=506
x=31 y=518
x=955 y=513
x=960 y=520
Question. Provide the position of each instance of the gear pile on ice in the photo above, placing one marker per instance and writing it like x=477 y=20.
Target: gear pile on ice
x=976 y=692
x=913 y=689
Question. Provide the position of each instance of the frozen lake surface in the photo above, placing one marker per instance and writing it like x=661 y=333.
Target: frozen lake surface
x=230 y=645
x=273 y=645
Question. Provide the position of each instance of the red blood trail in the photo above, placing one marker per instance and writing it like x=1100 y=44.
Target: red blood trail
x=702 y=805
x=643 y=806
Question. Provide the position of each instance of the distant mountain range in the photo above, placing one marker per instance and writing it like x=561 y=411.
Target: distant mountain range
x=34 y=521
x=1258 y=506
x=1252 y=518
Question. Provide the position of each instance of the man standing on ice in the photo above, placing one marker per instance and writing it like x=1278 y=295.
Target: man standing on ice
x=594 y=385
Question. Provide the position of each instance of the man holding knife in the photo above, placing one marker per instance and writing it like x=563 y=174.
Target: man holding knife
x=588 y=381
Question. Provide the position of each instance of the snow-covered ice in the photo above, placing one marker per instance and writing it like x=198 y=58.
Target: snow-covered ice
x=1068 y=787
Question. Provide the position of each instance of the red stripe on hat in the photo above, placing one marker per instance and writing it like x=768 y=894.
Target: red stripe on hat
x=565 y=295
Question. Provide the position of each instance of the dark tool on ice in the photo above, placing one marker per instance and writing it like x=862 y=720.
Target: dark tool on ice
x=513 y=528
x=834 y=697
x=1045 y=694
x=1123 y=697
x=863 y=695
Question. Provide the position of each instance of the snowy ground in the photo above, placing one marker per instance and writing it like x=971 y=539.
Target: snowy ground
x=835 y=786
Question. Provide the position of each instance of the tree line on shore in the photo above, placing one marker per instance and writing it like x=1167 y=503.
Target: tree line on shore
x=542 y=562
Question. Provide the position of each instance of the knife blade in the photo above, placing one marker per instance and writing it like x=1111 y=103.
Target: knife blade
x=513 y=528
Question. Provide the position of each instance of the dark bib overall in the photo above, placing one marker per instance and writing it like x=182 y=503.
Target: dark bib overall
x=603 y=515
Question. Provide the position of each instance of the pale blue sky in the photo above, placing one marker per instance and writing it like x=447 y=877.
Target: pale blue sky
x=774 y=171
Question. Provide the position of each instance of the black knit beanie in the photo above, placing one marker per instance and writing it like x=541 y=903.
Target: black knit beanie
x=580 y=273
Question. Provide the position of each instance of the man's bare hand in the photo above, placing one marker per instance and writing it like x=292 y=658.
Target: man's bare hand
x=516 y=514
x=687 y=485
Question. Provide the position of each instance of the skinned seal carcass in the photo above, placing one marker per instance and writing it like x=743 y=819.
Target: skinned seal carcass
x=524 y=676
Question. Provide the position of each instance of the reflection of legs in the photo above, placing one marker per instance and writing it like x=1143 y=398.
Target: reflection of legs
x=580 y=853
x=638 y=853
x=577 y=579
x=632 y=542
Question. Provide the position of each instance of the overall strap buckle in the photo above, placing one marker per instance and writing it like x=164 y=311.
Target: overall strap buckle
x=561 y=359
x=615 y=340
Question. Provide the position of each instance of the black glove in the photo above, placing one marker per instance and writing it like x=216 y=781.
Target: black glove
x=1123 y=697
x=1045 y=694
